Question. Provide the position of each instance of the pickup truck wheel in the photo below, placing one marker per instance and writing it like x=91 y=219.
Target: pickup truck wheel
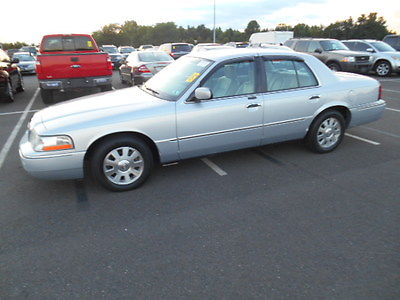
x=105 y=88
x=47 y=96
x=326 y=132
x=121 y=163
x=334 y=66
x=20 y=87
x=9 y=95
x=383 y=68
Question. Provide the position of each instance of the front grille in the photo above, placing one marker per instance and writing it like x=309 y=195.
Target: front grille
x=362 y=58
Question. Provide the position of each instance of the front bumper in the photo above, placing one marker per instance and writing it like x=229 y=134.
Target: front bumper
x=70 y=83
x=52 y=166
x=367 y=113
x=356 y=67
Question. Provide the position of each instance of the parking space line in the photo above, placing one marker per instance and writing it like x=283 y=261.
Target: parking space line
x=389 y=80
x=382 y=132
x=392 y=91
x=16 y=129
x=362 y=139
x=18 y=112
x=213 y=166
x=392 y=109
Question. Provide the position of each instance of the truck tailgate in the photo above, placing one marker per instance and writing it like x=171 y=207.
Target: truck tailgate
x=53 y=66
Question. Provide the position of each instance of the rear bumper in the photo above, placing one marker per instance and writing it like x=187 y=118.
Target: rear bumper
x=139 y=79
x=53 y=166
x=367 y=113
x=70 y=83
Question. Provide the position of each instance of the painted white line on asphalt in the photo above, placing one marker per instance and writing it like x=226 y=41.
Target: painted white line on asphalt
x=17 y=127
x=362 y=139
x=392 y=109
x=389 y=80
x=392 y=91
x=213 y=166
x=381 y=132
x=18 y=112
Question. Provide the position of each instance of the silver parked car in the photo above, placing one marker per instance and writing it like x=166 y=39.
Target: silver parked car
x=385 y=59
x=27 y=62
x=142 y=65
x=203 y=103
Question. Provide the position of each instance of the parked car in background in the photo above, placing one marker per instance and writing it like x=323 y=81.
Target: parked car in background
x=208 y=47
x=69 y=61
x=176 y=50
x=210 y=102
x=238 y=44
x=115 y=56
x=142 y=65
x=31 y=49
x=271 y=37
x=393 y=40
x=10 y=52
x=126 y=50
x=144 y=47
x=27 y=62
x=385 y=59
x=11 y=81
x=271 y=46
x=334 y=54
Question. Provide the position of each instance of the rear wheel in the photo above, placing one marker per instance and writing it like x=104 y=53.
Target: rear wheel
x=121 y=163
x=123 y=81
x=334 y=66
x=9 y=95
x=47 y=96
x=20 y=87
x=326 y=132
x=383 y=68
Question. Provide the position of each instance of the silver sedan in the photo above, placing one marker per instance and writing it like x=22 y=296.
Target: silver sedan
x=203 y=103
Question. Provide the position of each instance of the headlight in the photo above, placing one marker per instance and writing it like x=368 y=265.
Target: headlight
x=50 y=143
x=348 y=59
x=396 y=57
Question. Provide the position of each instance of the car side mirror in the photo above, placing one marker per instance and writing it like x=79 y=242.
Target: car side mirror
x=318 y=50
x=370 y=50
x=14 y=61
x=202 y=93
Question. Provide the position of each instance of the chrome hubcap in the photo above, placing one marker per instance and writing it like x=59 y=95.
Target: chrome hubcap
x=329 y=132
x=123 y=165
x=382 y=69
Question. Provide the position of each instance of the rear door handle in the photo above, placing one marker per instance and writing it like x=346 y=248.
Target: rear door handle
x=314 y=97
x=253 y=105
x=252 y=97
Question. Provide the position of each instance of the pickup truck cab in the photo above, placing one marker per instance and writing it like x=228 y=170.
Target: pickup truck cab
x=71 y=61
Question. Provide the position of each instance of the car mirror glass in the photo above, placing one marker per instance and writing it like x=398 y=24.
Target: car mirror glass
x=370 y=50
x=202 y=93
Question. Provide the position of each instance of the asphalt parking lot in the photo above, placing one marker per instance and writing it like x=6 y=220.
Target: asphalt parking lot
x=270 y=222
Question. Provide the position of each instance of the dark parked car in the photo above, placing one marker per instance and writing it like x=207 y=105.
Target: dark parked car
x=142 y=65
x=115 y=56
x=176 y=50
x=31 y=49
x=333 y=53
x=10 y=52
x=393 y=40
x=10 y=77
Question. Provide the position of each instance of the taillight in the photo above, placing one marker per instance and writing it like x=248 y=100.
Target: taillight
x=380 y=92
x=109 y=64
x=143 y=69
x=38 y=67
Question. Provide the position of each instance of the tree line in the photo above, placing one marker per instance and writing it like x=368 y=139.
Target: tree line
x=131 y=33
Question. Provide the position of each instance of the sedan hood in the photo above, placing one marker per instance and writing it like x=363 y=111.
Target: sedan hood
x=89 y=109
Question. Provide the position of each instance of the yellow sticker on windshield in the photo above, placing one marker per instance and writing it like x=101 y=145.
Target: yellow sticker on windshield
x=192 y=77
x=89 y=44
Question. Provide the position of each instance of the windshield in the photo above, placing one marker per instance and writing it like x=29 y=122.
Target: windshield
x=382 y=47
x=154 y=56
x=174 y=79
x=110 y=49
x=127 y=50
x=68 y=43
x=181 y=47
x=24 y=57
x=333 y=45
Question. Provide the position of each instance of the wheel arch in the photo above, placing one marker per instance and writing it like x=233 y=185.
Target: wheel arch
x=344 y=110
x=382 y=60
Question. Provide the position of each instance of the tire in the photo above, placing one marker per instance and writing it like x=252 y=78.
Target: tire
x=122 y=78
x=9 y=95
x=334 y=66
x=383 y=68
x=20 y=88
x=128 y=161
x=105 y=88
x=47 y=96
x=326 y=132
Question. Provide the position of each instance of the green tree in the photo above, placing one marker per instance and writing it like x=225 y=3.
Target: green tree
x=252 y=27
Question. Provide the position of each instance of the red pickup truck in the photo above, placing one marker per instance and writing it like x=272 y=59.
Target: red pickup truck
x=71 y=61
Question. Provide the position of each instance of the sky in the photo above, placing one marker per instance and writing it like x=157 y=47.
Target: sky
x=40 y=17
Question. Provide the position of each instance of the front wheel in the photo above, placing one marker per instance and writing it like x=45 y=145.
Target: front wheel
x=20 y=87
x=383 y=68
x=334 y=66
x=9 y=95
x=326 y=132
x=121 y=163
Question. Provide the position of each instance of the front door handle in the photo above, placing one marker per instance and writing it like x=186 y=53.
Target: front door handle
x=252 y=97
x=314 y=97
x=253 y=105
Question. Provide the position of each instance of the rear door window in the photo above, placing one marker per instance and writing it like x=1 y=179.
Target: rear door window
x=313 y=46
x=301 y=46
x=68 y=43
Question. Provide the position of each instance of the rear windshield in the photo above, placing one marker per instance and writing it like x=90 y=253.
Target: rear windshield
x=154 y=56
x=68 y=43
x=110 y=49
x=181 y=47
x=24 y=57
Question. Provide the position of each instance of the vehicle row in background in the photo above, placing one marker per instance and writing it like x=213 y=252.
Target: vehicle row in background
x=11 y=81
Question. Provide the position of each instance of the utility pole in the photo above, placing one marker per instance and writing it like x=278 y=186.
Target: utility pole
x=214 y=24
